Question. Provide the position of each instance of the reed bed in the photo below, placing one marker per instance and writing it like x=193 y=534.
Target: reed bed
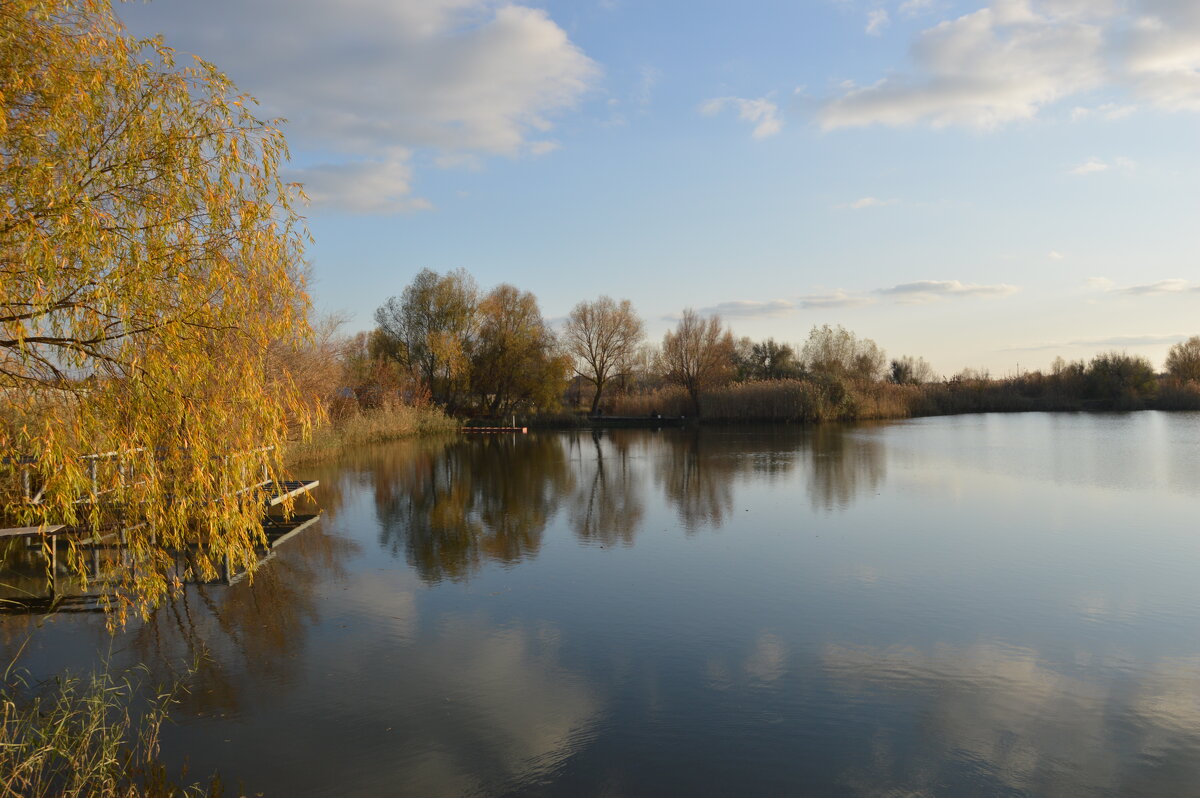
x=816 y=399
x=375 y=425
x=1178 y=395
x=806 y=401
x=82 y=737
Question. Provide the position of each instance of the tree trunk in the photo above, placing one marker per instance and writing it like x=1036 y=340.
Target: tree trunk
x=596 y=397
x=694 y=393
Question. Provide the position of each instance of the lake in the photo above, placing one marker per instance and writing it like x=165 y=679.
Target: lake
x=970 y=605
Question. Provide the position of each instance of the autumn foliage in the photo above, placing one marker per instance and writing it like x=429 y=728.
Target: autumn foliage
x=149 y=260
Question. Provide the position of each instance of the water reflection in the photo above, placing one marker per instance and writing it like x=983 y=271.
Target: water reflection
x=473 y=709
x=846 y=465
x=999 y=719
x=213 y=635
x=452 y=507
x=448 y=507
x=697 y=478
x=1040 y=646
x=607 y=506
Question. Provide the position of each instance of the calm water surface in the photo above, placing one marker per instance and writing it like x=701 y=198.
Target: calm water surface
x=976 y=605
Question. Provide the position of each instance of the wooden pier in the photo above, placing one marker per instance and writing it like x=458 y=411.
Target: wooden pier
x=637 y=421
x=107 y=545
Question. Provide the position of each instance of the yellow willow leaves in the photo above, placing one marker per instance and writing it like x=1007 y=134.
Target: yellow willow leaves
x=149 y=254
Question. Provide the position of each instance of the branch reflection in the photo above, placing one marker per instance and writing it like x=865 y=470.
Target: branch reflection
x=458 y=503
x=607 y=506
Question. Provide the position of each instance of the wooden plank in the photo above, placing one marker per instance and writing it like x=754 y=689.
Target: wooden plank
x=282 y=491
x=295 y=531
x=24 y=531
x=233 y=579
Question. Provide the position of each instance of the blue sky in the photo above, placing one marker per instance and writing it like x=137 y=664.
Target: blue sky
x=987 y=185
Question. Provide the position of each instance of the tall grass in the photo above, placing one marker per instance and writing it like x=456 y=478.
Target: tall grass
x=1178 y=395
x=810 y=401
x=84 y=737
x=817 y=399
x=357 y=427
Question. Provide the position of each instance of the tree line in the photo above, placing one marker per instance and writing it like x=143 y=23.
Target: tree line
x=493 y=353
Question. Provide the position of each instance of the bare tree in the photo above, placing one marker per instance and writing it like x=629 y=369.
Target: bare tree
x=602 y=336
x=698 y=354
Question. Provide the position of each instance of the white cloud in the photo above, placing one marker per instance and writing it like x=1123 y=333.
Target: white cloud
x=933 y=290
x=1174 y=285
x=1090 y=166
x=1055 y=255
x=911 y=8
x=1111 y=341
x=1130 y=340
x=749 y=308
x=762 y=113
x=1094 y=165
x=365 y=78
x=1163 y=53
x=369 y=187
x=1110 y=111
x=877 y=20
x=865 y=202
x=744 y=308
x=648 y=78
x=838 y=299
x=543 y=147
x=995 y=65
x=1012 y=58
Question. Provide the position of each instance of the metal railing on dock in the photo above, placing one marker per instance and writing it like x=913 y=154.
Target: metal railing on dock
x=108 y=523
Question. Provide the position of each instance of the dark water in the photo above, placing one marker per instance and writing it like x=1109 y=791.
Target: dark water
x=977 y=605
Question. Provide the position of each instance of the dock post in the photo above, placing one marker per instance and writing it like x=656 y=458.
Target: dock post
x=53 y=567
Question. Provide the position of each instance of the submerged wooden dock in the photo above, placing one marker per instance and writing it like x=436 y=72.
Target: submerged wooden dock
x=106 y=546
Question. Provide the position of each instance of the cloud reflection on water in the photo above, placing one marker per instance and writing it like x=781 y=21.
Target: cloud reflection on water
x=998 y=715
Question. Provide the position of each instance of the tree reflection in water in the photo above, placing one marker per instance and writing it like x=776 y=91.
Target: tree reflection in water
x=700 y=469
x=466 y=501
x=607 y=506
x=224 y=632
x=846 y=465
x=697 y=477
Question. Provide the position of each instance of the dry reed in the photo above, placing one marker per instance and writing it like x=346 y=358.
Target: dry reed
x=82 y=737
x=375 y=425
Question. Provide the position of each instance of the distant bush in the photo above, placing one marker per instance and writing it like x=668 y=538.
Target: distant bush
x=1176 y=395
x=1120 y=380
x=1183 y=359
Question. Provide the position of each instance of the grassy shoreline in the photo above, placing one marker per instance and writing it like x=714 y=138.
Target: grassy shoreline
x=807 y=401
x=818 y=401
x=375 y=425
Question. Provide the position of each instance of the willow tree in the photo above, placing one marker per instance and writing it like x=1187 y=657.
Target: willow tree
x=837 y=352
x=149 y=255
x=516 y=359
x=430 y=331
